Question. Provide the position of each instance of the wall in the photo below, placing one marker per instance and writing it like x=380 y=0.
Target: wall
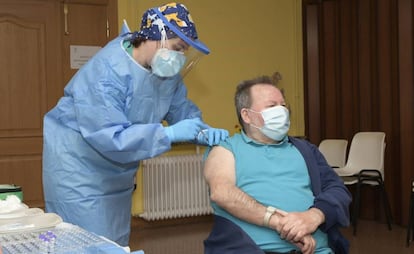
x=246 y=39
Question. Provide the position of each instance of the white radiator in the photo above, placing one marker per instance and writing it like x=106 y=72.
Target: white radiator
x=174 y=187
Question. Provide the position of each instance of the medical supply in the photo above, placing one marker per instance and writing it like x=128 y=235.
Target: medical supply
x=211 y=136
x=29 y=222
x=10 y=189
x=276 y=122
x=167 y=63
x=11 y=204
x=185 y=130
x=202 y=137
x=66 y=239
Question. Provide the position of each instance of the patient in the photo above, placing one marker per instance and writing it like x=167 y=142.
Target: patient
x=272 y=193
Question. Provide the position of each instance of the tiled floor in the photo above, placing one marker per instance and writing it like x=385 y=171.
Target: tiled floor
x=186 y=236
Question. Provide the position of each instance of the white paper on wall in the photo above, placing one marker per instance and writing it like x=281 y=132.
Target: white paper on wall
x=79 y=55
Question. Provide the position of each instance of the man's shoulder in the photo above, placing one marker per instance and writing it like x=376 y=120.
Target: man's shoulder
x=236 y=137
x=302 y=143
x=299 y=140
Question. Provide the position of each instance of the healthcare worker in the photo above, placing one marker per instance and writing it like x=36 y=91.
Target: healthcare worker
x=110 y=118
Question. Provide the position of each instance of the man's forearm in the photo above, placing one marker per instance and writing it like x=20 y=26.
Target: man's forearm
x=239 y=204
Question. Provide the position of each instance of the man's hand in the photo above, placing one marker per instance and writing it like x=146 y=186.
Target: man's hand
x=294 y=226
x=307 y=245
x=280 y=219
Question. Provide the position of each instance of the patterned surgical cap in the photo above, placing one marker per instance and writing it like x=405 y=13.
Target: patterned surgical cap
x=176 y=14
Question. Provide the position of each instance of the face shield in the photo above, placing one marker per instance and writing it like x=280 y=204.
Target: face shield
x=192 y=57
x=196 y=48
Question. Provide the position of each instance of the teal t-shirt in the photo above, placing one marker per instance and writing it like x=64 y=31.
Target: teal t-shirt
x=275 y=175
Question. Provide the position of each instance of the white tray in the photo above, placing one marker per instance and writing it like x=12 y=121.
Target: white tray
x=29 y=223
x=21 y=213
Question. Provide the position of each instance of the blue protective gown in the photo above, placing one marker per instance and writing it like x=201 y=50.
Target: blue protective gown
x=107 y=121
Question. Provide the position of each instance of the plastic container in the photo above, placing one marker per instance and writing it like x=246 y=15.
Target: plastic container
x=10 y=189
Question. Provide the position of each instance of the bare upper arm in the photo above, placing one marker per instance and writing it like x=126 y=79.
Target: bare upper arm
x=219 y=168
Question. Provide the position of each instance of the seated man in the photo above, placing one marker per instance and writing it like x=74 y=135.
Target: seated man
x=272 y=193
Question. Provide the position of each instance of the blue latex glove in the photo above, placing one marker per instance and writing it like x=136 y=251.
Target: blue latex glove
x=211 y=136
x=185 y=130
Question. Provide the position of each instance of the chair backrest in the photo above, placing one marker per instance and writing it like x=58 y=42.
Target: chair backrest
x=366 y=152
x=334 y=151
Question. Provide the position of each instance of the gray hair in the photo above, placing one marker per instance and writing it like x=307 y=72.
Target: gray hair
x=242 y=98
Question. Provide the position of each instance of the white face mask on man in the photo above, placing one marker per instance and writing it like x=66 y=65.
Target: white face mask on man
x=276 y=122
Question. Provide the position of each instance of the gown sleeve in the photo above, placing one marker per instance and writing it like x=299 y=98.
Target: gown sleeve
x=102 y=121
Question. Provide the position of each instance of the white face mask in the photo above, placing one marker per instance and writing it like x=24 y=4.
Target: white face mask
x=276 y=122
x=167 y=63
